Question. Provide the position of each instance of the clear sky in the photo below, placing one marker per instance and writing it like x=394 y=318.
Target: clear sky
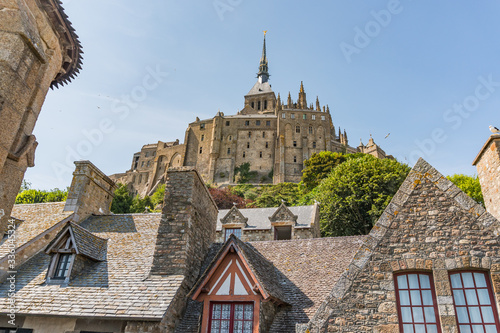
x=426 y=72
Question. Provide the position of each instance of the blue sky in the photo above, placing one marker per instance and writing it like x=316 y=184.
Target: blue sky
x=426 y=72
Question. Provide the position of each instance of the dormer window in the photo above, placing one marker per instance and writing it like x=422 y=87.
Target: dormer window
x=232 y=231
x=63 y=253
x=63 y=266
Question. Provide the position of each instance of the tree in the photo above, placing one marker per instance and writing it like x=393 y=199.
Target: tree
x=355 y=194
x=158 y=196
x=141 y=205
x=242 y=174
x=25 y=185
x=470 y=185
x=274 y=195
x=319 y=166
x=30 y=196
x=122 y=200
x=225 y=198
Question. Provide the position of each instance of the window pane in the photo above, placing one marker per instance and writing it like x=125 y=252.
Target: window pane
x=477 y=329
x=248 y=311
x=418 y=315
x=408 y=328
x=480 y=280
x=471 y=297
x=413 y=280
x=465 y=329
x=467 y=278
x=462 y=315
x=475 y=315
x=419 y=328
x=226 y=311
x=455 y=281
x=404 y=297
x=487 y=314
x=425 y=282
x=430 y=316
x=415 y=297
x=459 y=297
x=490 y=329
x=484 y=297
x=402 y=284
x=427 y=297
x=406 y=315
x=432 y=329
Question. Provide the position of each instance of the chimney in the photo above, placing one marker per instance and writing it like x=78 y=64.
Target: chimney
x=91 y=191
x=187 y=227
x=487 y=163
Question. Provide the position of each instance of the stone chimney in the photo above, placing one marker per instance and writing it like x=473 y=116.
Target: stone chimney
x=487 y=163
x=187 y=227
x=91 y=191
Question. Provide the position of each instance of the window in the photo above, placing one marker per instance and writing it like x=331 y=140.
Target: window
x=474 y=302
x=201 y=150
x=295 y=159
x=314 y=144
x=136 y=162
x=247 y=122
x=249 y=134
x=202 y=137
x=267 y=144
x=260 y=153
x=265 y=105
x=263 y=134
x=416 y=302
x=295 y=143
x=257 y=122
x=248 y=145
x=202 y=126
x=154 y=153
x=148 y=164
x=140 y=178
x=229 y=138
x=62 y=266
x=229 y=231
x=322 y=117
x=253 y=105
x=283 y=115
x=244 y=155
x=310 y=130
x=297 y=129
x=231 y=317
x=282 y=233
x=268 y=123
x=313 y=117
x=304 y=116
x=258 y=105
x=142 y=164
x=146 y=154
x=227 y=123
x=228 y=151
x=292 y=116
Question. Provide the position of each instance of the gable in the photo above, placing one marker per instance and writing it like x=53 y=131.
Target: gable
x=430 y=225
x=234 y=216
x=230 y=278
x=283 y=214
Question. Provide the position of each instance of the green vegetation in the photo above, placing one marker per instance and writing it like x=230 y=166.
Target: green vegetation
x=27 y=195
x=242 y=174
x=470 y=185
x=124 y=203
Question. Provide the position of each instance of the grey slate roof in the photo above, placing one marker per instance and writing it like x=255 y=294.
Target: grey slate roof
x=116 y=288
x=258 y=218
x=260 y=88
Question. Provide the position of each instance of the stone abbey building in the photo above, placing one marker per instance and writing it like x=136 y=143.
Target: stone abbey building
x=274 y=137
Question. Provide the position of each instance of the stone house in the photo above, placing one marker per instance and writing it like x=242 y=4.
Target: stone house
x=274 y=137
x=430 y=264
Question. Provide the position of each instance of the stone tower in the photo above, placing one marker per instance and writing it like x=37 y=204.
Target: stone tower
x=487 y=163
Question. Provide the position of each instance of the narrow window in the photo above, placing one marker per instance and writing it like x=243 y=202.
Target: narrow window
x=229 y=138
x=142 y=164
x=228 y=151
x=257 y=122
x=267 y=144
x=416 y=303
x=248 y=145
x=202 y=137
x=234 y=231
x=231 y=317
x=322 y=117
x=62 y=266
x=253 y=105
x=227 y=123
x=297 y=129
x=314 y=144
x=263 y=134
x=295 y=159
x=268 y=123
x=310 y=130
x=243 y=154
x=247 y=122
x=304 y=116
x=313 y=117
x=202 y=126
x=260 y=154
x=258 y=105
x=474 y=302
x=292 y=116
x=201 y=150
x=295 y=143
x=265 y=105
x=283 y=115
x=249 y=134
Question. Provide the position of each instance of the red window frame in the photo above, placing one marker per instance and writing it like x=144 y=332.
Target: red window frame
x=465 y=299
x=412 y=306
x=232 y=318
x=234 y=231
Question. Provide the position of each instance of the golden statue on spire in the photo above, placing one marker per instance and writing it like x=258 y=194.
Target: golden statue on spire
x=265 y=31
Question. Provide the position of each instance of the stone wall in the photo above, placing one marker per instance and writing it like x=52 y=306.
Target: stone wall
x=488 y=169
x=186 y=231
x=429 y=226
x=91 y=191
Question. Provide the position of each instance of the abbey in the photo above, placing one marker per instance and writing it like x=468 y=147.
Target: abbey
x=274 y=137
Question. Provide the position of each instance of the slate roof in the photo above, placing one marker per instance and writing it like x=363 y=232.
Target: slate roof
x=119 y=287
x=258 y=218
x=260 y=88
x=36 y=219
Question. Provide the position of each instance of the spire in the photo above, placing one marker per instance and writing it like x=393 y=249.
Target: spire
x=301 y=87
x=302 y=102
x=278 y=105
x=263 y=73
x=289 y=102
x=318 y=108
x=327 y=109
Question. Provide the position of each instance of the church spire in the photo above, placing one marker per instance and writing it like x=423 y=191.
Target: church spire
x=263 y=73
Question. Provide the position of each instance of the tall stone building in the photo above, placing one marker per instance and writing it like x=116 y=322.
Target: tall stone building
x=38 y=49
x=273 y=136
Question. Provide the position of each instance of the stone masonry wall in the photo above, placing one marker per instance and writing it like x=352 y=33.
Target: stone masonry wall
x=430 y=226
x=488 y=170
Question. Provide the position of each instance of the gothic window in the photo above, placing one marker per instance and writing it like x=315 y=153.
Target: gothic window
x=228 y=151
x=229 y=138
x=322 y=117
x=310 y=130
x=247 y=122
x=314 y=144
x=304 y=116
x=260 y=154
x=248 y=145
x=231 y=317
x=202 y=137
x=227 y=123
x=234 y=231
x=257 y=122
x=297 y=129
x=267 y=144
x=265 y=105
x=295 y=143
x=313 y=117
x=295 y=159
x=416 y=303
x=283 y=115
x=201 y=150
x=292 y=116
x=268 y=123
x=474 y=302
